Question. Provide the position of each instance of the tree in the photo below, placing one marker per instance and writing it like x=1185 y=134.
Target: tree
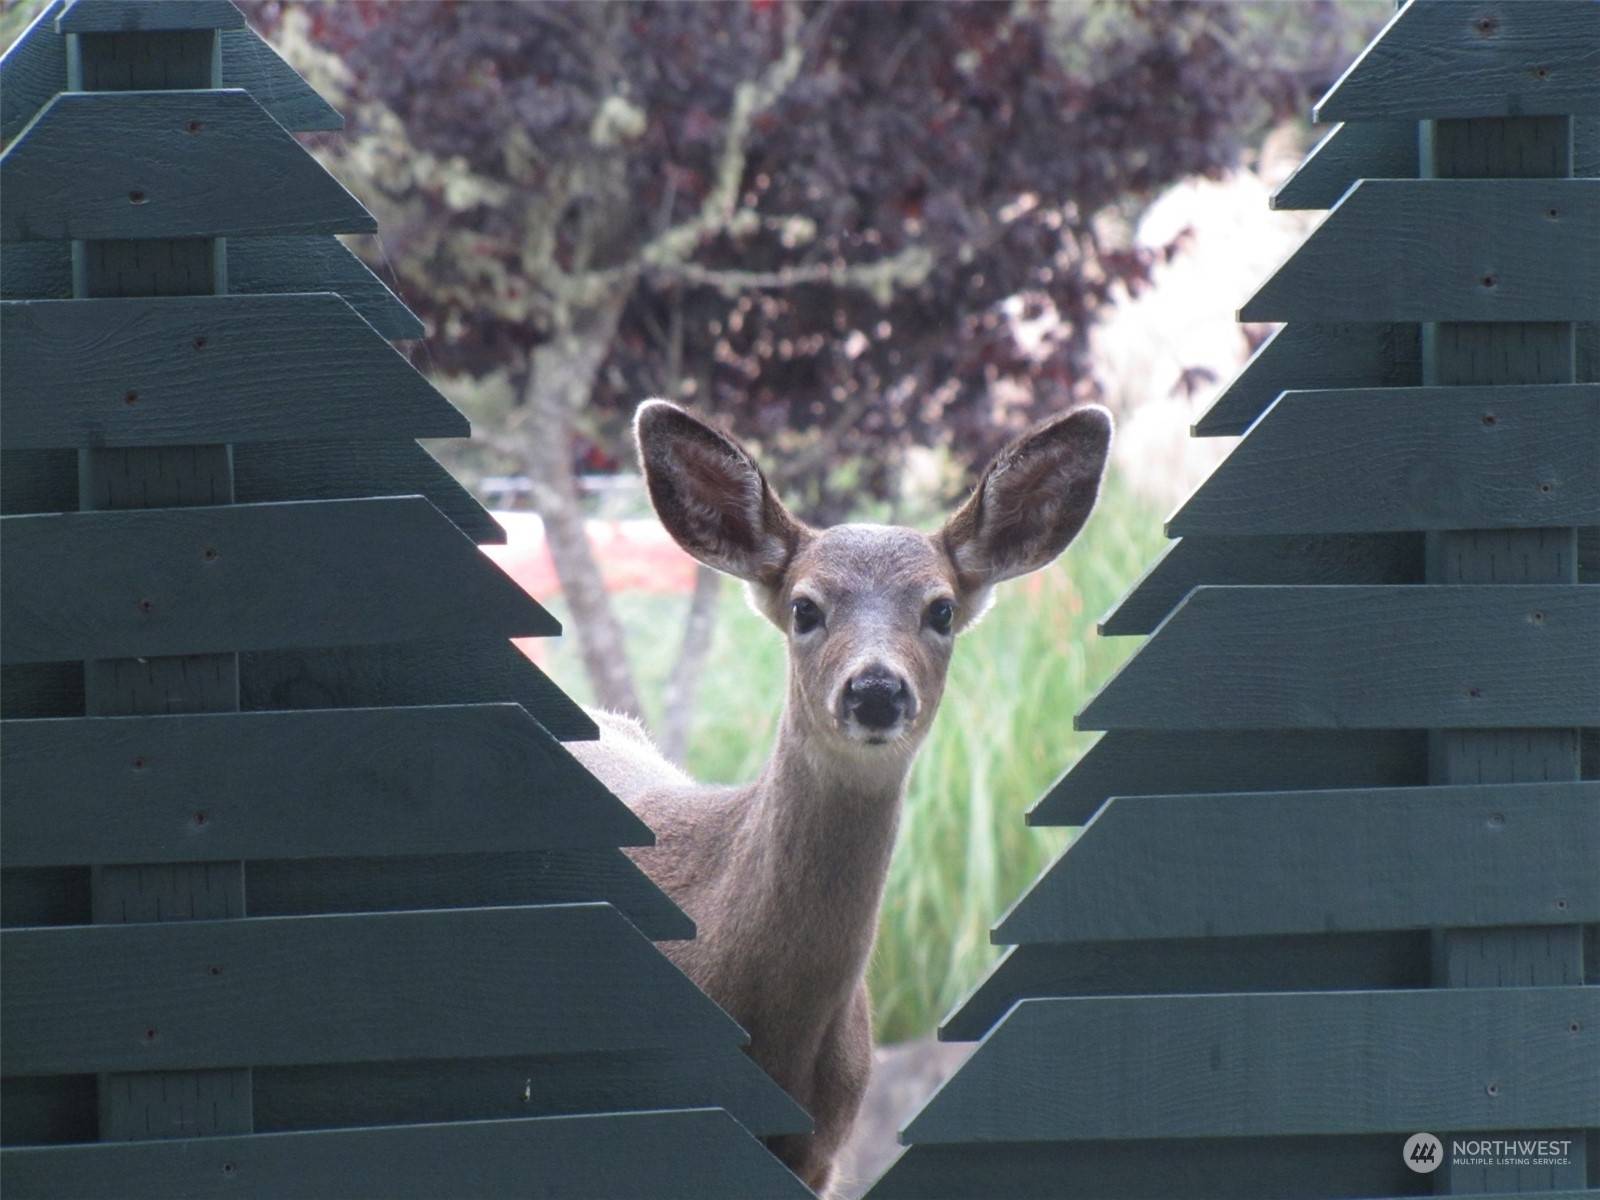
x=821 y=221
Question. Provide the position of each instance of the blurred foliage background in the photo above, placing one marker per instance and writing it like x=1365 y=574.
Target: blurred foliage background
x=875 y=239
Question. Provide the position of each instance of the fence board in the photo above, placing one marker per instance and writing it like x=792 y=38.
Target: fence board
x=439 y=669
x=147 y=371
x=32 y=70
x=446 y=779
x=1306 y=1168
x=1349 y=558
x=318 y=263
x=302 y=887
x=1137 y=762
x=126 y=16
x=248 y=577
x=250 y=63
x=1163 y=966
x=1359 y=150
x=694 y=1154
x=1400 y=459
x=1276 y=1063
x=1318 y=354
x=126 y=165
x=1260 y=863
x=1460 y=657
x=391 y=1093
x=1445 y=250
x=1496 y=58
x=448 y=983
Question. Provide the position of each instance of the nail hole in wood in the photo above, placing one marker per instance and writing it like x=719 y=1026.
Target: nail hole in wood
x=200 y=342
x=1546 y=488
x=1574 y=1027
x=1489 y=281
x=146 y=606
x=136 y=197
x=1561 y=904
x=1497 y=821
x=138 y=762
x=194 y=127
x=209 y=554
x=149 y=1036
x=1487 y=25
x=200 y=819
x=130 y=398
x=1489 y=418
x=1541 y=73
x=213 y=970
x=1493 y=1089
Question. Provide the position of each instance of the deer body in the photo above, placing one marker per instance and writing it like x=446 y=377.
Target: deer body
x=783 y=877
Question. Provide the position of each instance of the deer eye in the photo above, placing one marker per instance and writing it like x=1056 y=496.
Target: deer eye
x=807 y=616
x=941 y=615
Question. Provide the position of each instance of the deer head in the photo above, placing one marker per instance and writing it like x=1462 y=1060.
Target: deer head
x=871 y=612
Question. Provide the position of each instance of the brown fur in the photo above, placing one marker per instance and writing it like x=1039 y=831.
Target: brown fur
x=783 y=877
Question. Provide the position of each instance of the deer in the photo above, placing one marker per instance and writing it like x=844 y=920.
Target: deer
x=783 y=877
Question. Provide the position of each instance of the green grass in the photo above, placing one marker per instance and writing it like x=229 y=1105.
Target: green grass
x=1002 y=736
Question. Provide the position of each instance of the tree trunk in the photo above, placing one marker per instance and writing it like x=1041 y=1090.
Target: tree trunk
x=684 y=681
x=561 y=377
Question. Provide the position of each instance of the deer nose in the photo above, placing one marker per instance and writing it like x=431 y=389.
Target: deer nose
x=877 y=699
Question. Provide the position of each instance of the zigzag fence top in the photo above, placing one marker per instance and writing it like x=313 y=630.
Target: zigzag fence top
x=1336 y=883
x=302 y=894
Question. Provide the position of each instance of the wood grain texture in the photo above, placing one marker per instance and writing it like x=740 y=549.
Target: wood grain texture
x=450 y=983
x=1259 y=863
x=1316 y=962
x=41 y=481
x=318 y=263
x=304 y=886
x=172 y=164
x=1350 y=558
x=32 y=70
x=477 y=1089
x=256 y=266
x=441 y=669
x=1283 y=1064
x=1445 y=250
x=694 y=1154
x=1315 y=354
x=149 y=371
x=123 y=16
x=250 y=63
x=1134 y=762
x=1496 y=58
x=447 y=779
x=1379 y=460
x=248 y=577
x=1362 y=150
x=1467 y=657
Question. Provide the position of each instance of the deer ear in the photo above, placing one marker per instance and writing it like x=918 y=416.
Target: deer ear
x=712 y=497
x=1032 y=499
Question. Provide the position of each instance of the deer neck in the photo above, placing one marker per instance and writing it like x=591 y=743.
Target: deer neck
x=820 y=830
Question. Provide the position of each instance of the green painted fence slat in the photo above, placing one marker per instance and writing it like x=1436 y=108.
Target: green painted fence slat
x=176 y=164
x=1138 y=762
x=1259 y=863
x=268 y=472
x=1445 y=250
x=318 y=263
x=39 y=481
x=1277 y=1063
x=148 y=371
x=448 y=983
x=1396 y=459
x=126 y=16
x=1315 y=354
x=1350 y=558
x=1361 y=150
x=174 y=581
x=32 y=70
x=447 y=779
x=1494 y=58
x=694 y=1154
x=1165 y=966
x=349 y=1094
x=1459 y=657
x=435 y=669
x=303 y=886
x=250 y=63
x=1307 y=1168
x=256 y=266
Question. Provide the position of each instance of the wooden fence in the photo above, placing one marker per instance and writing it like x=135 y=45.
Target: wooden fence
x=1339 y=876
x=302 y=894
